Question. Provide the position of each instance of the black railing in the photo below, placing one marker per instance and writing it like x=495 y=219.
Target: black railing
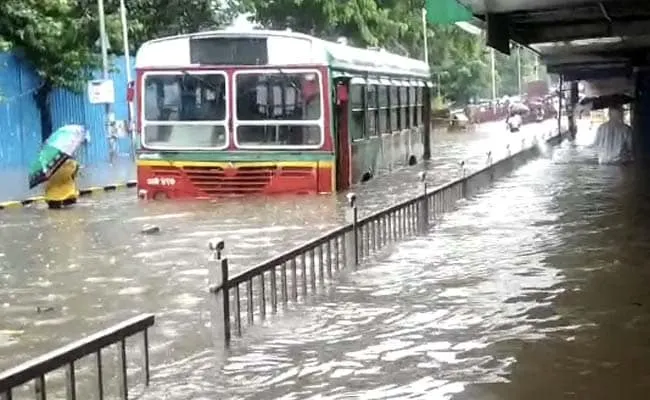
x=36 y=369
x=300 y=271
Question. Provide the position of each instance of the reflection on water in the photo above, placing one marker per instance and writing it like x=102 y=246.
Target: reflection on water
x=534 y=290
x=88 y=267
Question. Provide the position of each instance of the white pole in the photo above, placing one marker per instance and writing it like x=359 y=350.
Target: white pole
x=519 y=68
x=125 y=40
x=494 y=74
x=424 y=33
x=105 y=75
x=536 y=67
x=127 y=61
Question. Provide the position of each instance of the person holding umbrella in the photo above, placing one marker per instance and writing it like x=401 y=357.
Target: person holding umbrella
x=61 y=189
x=57 y=168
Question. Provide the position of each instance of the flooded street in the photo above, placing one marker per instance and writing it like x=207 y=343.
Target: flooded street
x=89 y=267
x=534 y=290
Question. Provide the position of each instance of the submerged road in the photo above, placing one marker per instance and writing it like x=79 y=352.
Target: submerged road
x=89 y=267
x=536 y=289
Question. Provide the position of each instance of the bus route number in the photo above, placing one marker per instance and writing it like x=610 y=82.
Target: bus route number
x=161 y=181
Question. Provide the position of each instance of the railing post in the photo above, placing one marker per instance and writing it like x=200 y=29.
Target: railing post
x=220 y=289
x=489 y=165
x=354 y=219
x=424 y=205
x=463 y=174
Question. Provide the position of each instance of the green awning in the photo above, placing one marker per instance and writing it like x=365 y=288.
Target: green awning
x=447 y=12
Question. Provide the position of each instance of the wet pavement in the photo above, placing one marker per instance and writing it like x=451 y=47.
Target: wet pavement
x=89 y=267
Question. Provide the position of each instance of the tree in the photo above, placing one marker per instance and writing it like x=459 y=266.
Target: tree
x=393 y=24
x=461 y=60
x=54 y=40
x=363 y=22
x=151 y=19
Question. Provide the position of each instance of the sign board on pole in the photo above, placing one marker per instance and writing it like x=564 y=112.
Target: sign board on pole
x=101 y=92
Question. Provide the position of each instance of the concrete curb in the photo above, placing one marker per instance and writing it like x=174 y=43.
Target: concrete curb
x=82 y=193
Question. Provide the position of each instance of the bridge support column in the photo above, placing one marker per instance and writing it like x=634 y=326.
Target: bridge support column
x=641 y=116
x=573 y=102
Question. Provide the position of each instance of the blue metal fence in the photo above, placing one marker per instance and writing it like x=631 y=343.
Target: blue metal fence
x=20 y=131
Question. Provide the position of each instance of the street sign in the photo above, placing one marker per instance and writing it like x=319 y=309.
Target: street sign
x=101 y=92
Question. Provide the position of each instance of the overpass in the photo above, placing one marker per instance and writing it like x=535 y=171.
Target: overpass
x=579 y=40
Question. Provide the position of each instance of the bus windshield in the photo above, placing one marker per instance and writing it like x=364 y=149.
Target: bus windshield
x=278 y=108
x=184 y=110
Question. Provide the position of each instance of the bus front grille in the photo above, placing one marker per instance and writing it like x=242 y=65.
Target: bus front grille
x=215 y=181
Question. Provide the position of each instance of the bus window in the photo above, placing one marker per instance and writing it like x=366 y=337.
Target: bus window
x=357 y=122
x=372 y=116
x=412 y=107
x=178 y=109
x=384 y=112
x=394 y=109
x=404 y=107
x=278 y=109
x=419 y=106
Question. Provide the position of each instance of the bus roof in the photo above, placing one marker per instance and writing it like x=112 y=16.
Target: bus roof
x=284 y=48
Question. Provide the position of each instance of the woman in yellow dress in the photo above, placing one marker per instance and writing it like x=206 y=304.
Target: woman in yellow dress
x=61 y=189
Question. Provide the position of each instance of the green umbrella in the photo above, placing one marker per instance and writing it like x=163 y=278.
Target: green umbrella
x=58 y=148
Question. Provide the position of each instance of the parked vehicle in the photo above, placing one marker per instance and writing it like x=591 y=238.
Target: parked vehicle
x=228 y=112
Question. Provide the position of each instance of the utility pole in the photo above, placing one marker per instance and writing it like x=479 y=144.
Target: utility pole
x=127 y=66
x=424 y=34
x=108 y=118
x=127 y=55
x=519 y=69
x=494 y=74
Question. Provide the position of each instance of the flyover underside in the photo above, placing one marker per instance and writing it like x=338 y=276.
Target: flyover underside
x=580 y=40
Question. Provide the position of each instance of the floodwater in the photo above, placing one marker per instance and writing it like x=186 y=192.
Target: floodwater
x=65 y=274
x=536 y=289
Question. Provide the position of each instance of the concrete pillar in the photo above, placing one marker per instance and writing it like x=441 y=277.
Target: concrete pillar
x=642 y=116
x=573 y=101
x=635 y=120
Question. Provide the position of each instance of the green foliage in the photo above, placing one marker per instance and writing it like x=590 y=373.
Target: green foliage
x=60 y=38
x=150 y=19
x=363 y=22
x=459 y=59
x=51 y=36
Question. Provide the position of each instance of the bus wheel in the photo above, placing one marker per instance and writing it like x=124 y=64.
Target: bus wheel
x=366 y=177
x=412 y=160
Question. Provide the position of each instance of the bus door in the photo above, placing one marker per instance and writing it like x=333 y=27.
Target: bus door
x=343 y=156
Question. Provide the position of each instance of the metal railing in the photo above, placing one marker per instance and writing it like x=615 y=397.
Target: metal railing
x=249 y=296
x=36 y=369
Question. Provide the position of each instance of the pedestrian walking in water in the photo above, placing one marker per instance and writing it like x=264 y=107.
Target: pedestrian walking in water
x=61 y=189
x=57 y=168
x=614 y=139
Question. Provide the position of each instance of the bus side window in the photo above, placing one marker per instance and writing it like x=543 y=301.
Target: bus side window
x=384 y=112
x=358 y=114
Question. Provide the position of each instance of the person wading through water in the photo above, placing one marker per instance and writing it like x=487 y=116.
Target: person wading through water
x=61 y=189
x=614 y=139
